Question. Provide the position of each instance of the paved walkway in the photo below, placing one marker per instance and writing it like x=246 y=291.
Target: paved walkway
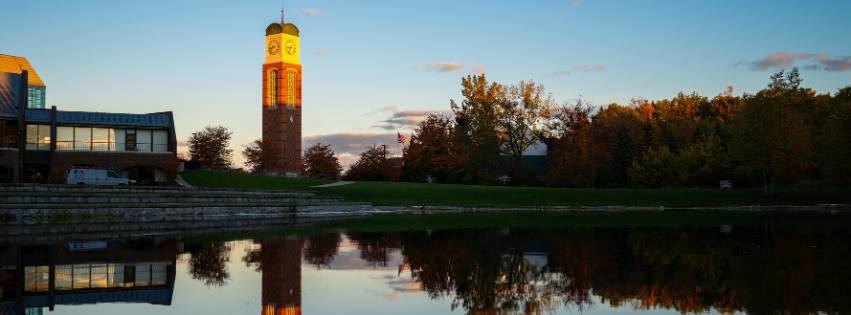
x=335 y=184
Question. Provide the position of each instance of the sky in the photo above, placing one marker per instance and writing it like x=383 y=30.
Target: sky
x=373 y=68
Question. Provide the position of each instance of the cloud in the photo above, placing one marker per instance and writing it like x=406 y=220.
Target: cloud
x=810 y=61
x=310 y=11
x=775 y=60
x=573 y=4
x=561 y=73
x=480 y=69
x=320 y=52
x=587 y=68
x=834 y=64
x=447 y=66
x=405 y=119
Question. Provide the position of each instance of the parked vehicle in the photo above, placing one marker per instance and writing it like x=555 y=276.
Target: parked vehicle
x=94 y=176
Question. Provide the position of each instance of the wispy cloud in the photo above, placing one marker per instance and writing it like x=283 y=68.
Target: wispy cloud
x=589 y=68
x=405 y=119
x=561 y=73
x=320 y=52
x=310 y=11
x=810 y=61
x=445 y=66
x=775 y=60
x=480 y=69
x=572 y=4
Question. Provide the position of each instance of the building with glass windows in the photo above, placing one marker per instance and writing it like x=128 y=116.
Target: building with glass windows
x=40 y=144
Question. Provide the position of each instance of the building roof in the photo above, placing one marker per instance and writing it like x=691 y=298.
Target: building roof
x=286 y=28
x=9 y=83
x=15 y=64
x=76 y=118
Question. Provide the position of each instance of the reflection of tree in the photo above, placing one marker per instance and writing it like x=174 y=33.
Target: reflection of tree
x=688 y=270
x=374 y=246
x=321 y=248
x=208 y=263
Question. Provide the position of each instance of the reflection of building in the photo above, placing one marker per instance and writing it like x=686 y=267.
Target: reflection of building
x=40 y=144
x=280 y=261
x=35 y=277
x=282 y=100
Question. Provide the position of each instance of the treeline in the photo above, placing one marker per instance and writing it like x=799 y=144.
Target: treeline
x=783 y=134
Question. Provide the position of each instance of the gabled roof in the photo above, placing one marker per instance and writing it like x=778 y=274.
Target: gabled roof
x=15 y=64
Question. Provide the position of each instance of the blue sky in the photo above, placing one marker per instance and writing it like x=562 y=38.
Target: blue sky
x=369 y=61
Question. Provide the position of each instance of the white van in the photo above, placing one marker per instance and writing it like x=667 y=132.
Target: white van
x=93 y=176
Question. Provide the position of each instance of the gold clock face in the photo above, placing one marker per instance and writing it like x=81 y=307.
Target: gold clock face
x=274 y=47
x=289 y=47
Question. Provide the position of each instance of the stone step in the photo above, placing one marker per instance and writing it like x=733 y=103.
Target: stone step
x=146 y=190
x=106 y=205
x=147 y=198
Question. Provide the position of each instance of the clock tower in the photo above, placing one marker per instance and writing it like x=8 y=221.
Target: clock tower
x=282 y=100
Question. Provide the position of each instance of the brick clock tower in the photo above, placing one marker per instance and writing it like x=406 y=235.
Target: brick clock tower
x=282 y=100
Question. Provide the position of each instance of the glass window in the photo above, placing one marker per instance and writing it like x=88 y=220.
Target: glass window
x=82 y=139
x=38 y=137
x=273 y=87
x=32 y=137
x=159 y=274
x=160 y=141
x=65 y=138
x=43 y=137
x=64 y=274
x=99 y=276
x=143 y=275
x=119 y=140
x=143 y=140
x=81 y=276
x=291 y=97
x=35 y=97
x=116 y=275
x=100 y=139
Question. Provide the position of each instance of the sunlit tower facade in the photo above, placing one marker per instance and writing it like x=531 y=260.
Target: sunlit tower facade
x=282 y=100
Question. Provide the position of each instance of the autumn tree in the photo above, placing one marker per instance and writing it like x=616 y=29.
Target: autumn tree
x=567 y=133
x=210 y=147
x=256 y=156
x=432 y=151
x=520 y=114
x=770 y=136
x=371 y=165
x=836 y=140
x=321 y=162
x=476 y=123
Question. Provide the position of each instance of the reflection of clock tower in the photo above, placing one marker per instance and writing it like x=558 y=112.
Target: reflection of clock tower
x=282 y=100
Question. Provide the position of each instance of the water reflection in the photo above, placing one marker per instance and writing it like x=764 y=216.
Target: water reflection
x=758 y=269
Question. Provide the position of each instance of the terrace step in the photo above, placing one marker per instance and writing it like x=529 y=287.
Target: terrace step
x=22 y=199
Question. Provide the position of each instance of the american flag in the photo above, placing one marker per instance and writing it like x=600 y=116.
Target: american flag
x=402 y=138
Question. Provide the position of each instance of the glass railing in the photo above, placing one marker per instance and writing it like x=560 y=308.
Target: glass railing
x=110 y=146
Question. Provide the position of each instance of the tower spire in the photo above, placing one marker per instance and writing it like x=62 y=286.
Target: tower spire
x=282 y=13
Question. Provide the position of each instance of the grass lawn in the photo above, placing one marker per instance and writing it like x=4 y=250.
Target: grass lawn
x=414 y=194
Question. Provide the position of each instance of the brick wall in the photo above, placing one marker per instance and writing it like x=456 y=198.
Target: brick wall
x=62 y=161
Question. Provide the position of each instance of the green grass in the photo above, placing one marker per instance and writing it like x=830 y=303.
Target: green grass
x=215 y=179
x=415 y=194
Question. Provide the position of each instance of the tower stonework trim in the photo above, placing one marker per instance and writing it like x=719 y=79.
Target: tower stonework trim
x=281 y=102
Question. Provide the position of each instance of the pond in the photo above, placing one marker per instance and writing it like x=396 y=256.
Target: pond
x=762 y=267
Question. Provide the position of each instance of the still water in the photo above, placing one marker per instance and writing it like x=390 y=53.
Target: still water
x=758 y=268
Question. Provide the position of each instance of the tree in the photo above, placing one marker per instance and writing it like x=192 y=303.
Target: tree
x=256 y=156
x=653 y=168
x=567 y=134
x=432 y=151
x=321 y=162
x=476 y=121
x=210 y=147
x=770 y=136
x=520 y=114
x=371 y=165
x=208 y=263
